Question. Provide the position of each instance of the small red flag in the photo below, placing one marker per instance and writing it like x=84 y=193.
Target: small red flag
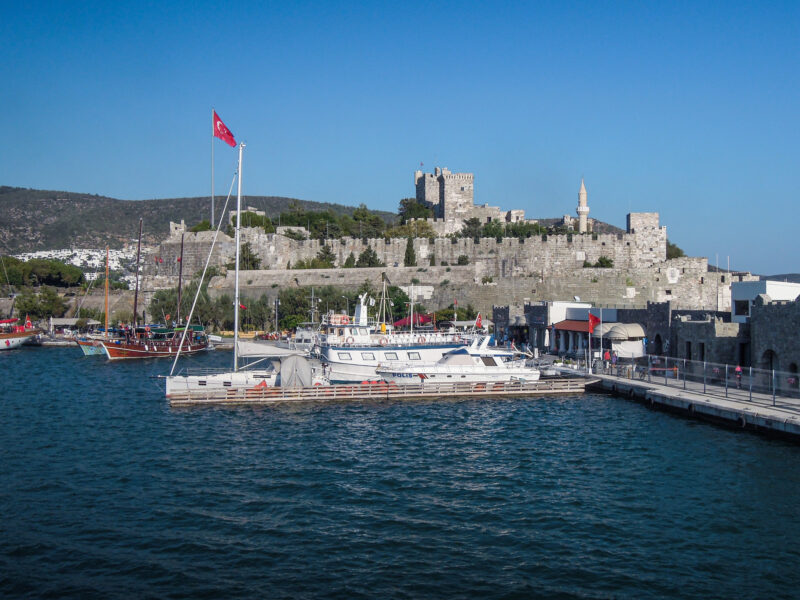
x=28 y=324
x=167 y=317
x=243 y=307
x=593 y=322
x=223 y=132
x=478 y=322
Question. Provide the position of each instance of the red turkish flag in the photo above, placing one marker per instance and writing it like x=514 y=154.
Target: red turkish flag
x=223 y=132
x=593 y=322
x=478 y=322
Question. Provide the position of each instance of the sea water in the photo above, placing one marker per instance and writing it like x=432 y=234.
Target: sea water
x=106 y=491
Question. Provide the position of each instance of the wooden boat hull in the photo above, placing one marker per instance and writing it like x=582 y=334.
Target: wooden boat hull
x=149 y=349
x=91 y=347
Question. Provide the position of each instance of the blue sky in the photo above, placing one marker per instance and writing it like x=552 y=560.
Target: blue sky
x=685 y=108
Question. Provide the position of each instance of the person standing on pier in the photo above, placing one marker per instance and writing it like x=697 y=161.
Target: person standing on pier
x=738 y=371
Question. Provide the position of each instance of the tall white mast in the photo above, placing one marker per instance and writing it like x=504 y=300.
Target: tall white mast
x=412 y=309
x=236 y=292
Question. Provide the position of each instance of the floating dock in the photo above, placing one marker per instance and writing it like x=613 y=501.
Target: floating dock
x=732 y=407
x=378 y=391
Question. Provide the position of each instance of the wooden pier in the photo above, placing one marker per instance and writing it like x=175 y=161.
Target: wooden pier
x=378 y=391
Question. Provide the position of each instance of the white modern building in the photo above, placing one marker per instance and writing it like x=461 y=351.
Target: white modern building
x=743 y=293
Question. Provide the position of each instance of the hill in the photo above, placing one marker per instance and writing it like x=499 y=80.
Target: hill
x=43 y=220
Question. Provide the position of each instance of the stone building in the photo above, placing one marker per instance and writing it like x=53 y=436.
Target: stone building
x=452 y=198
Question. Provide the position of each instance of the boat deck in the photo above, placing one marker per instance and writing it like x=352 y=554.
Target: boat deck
x=377 y=391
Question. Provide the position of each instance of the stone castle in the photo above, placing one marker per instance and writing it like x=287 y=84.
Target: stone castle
x=507 y=269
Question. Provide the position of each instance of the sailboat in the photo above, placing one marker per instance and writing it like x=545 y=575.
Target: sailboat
x=294 y=369
x=154 y=342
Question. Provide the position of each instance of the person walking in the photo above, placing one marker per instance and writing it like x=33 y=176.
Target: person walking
x=738 y=372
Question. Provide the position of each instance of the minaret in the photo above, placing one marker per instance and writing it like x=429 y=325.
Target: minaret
x=583 y=209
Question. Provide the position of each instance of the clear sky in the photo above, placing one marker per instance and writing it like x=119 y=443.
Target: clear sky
x=690 y=109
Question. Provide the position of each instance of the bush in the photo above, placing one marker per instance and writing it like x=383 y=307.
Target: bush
x=463 y=259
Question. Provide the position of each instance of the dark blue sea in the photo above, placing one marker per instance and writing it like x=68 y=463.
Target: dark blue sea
x=107 y=492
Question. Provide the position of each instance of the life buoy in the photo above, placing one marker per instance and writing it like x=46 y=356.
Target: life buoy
x=384 y=341
x=349 y=340
x=316 y=384
x=421 y=340
x=147 y=329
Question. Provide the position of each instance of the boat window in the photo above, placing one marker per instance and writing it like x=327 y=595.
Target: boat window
x=226 y=383
x=391 y=356
x=488 y=361
x=344 y=355
x=362 y=331
x=201 y=382
x=341 y=332
x=413 y=356
x=367 y=356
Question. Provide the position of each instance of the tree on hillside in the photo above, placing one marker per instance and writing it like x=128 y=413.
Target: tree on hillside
x=248 y=260
x=411 y=209
x=410 y=259
x=350 y=262
x=472 y=228
x=673 y=251
x=47 y=303
x=204 y=225
x=369 y=258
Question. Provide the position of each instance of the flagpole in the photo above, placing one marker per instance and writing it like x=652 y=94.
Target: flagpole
x=589 y=366
x=212 y=167
x=236 y=291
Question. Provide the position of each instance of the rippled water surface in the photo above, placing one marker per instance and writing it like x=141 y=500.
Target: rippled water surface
x=107 y=492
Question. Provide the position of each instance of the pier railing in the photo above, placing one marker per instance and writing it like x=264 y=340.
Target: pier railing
x=378 y=391
x=733 y=381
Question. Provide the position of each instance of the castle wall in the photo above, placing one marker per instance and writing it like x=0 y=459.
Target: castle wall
x=773 y=328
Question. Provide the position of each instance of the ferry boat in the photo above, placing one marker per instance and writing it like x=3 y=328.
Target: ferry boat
x=475 y=363
x=353 y=348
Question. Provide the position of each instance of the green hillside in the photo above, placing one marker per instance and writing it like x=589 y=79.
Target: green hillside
x=42 y=220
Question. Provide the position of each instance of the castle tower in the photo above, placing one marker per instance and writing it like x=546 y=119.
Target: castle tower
x=583 y=209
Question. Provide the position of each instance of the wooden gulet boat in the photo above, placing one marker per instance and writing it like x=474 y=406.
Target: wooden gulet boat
x=155 y=342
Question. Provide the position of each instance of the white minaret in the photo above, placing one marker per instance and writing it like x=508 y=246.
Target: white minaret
x=583 y=209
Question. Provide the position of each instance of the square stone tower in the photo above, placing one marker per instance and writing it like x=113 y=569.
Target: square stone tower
x=450 y=195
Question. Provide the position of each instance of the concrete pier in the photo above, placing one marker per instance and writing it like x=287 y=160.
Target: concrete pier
x=732 y=407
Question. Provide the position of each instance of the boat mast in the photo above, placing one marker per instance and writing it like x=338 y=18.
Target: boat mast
x=136 y=293
x=412 y=309
x=106 y=307
x=236 y=288
x=180 y=281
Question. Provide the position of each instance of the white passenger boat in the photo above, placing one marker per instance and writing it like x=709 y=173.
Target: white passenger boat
x=475 y=363
x=353 y=348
